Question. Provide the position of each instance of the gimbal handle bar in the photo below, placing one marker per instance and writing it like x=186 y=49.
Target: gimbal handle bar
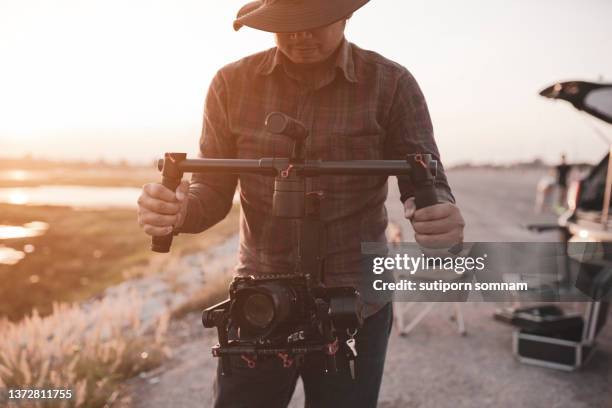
x=310 y=168
x=417 y=166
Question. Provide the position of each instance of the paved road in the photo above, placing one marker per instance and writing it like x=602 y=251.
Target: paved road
x=433 y=367
x=496 y=204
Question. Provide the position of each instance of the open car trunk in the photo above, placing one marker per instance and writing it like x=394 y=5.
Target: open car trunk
x=592 y=189
x=593 y=199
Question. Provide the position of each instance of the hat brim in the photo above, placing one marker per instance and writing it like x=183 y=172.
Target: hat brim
x=287 y=17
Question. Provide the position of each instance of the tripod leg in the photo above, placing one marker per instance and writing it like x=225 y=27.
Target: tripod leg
x=418 y=319
x=459 y=318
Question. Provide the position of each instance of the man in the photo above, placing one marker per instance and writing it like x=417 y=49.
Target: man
x=563 y=170
x=357 y=105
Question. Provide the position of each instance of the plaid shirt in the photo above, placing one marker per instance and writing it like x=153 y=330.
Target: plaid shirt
x=359 y=106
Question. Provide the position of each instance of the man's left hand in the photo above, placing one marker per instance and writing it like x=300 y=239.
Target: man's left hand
x=437 y=226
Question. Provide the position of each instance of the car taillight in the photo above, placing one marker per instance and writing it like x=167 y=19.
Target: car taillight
x=573 y=195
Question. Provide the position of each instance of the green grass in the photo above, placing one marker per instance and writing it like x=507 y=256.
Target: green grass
x=82 y=253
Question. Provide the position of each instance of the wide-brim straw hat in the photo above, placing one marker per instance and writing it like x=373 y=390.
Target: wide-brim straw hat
x=289 y=16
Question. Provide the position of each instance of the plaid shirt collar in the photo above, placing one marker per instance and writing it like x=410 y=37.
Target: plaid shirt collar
x=344 y=61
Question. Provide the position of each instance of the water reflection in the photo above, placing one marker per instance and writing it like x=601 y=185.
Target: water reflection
x=76 y=196
x=73 y=196
x=17 y=197
x=15 y=175
x=10 y=256
x=31 y=229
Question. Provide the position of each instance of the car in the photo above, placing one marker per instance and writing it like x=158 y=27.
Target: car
x=546 y=334
x=588 y=199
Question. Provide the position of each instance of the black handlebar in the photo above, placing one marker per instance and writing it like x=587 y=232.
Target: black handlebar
x=419 y=167
x=423 y=180
x=171 y=178
x=309 y=168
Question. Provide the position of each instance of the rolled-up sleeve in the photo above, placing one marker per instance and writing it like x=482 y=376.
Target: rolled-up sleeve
x=211 y=195
x=409 y=130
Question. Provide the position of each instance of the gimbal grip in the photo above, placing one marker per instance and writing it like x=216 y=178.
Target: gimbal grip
x=171 y=178
x=425 y=196
x=423 y=180
x=162 y=243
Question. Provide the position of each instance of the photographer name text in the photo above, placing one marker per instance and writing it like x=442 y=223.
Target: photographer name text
x=423 y=268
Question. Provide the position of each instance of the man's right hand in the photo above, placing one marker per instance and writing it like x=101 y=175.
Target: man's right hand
x=160 y=210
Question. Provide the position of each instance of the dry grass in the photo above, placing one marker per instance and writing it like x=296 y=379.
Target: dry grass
x=93 y=347
x=88 y=349
x=211 y=293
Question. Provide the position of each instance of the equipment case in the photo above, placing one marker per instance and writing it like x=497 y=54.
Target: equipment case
x=565 y=350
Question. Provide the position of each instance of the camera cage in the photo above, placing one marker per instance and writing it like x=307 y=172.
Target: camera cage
x=314 y=315
x=318 y=315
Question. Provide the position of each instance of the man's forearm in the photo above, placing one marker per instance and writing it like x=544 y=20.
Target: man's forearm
x=206 y=207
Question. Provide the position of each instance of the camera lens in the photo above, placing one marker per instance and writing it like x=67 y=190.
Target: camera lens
x=258 y=310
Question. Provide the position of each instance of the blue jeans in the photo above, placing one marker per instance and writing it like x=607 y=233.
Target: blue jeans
x=269 y=385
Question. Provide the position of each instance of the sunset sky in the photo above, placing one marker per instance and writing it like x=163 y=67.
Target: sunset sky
x=120 y=79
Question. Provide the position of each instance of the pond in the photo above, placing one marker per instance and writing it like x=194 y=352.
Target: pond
x=11 y=256
x=76 y=196
x=72 y=196
x=30 y=229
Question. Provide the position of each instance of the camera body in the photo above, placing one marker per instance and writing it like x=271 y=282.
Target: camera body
x=282 y=314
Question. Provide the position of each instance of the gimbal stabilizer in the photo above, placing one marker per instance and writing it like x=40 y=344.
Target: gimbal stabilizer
x=292 y=314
